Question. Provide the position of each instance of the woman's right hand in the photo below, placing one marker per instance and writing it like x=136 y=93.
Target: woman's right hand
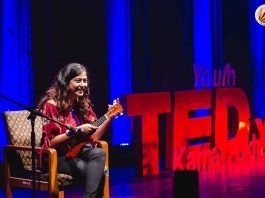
x=88 y=128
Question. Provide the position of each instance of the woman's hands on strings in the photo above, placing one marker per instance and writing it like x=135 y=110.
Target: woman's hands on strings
x=87 y=128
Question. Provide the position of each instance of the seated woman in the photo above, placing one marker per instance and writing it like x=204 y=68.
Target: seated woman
x=67 y=101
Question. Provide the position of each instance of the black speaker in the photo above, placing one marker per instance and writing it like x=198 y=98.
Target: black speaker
x=186 y=184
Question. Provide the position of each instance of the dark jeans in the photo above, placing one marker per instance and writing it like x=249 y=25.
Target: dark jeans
x=89 y=165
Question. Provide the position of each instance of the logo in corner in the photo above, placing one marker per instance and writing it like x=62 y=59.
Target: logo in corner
x=260 y=15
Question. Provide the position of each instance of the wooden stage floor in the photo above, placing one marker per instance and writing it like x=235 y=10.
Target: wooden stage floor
x=245 y=180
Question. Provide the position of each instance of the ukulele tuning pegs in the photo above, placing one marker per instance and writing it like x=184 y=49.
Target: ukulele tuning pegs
x=109 y=107
x=116 y=101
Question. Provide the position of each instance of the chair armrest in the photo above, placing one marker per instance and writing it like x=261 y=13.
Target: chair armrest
x=23 y=148
x=104 y=145
x=52 y=153
x=28 y=148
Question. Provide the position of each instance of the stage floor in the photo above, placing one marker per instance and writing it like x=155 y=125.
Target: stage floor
x=245 y=180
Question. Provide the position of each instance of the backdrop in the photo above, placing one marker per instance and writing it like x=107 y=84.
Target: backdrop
x=130 y=46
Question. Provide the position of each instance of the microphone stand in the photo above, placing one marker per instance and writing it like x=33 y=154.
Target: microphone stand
x=32 y=116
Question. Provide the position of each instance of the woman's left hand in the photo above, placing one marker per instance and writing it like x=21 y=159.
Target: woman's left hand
x=88 y=128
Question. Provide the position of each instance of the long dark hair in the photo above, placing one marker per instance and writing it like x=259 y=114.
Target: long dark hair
x=60 y=93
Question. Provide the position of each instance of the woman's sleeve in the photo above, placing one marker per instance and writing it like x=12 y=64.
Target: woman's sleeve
x=50 y=128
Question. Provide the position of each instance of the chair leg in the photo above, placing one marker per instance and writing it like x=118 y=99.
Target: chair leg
x=7 y=187
x=57 y=194
x=106 y=186
x=61 y=194
x=8 y=192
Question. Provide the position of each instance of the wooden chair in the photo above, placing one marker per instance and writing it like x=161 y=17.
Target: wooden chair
x=17 y=158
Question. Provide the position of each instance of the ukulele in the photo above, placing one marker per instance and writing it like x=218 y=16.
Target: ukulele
x=81 y=139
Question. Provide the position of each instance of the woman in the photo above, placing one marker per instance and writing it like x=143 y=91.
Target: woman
x=67 y=101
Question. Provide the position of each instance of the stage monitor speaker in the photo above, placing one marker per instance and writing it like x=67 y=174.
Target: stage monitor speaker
x=186 y=184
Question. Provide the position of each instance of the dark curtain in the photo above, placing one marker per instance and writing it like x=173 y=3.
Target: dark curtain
x=66 y=31
x=162 y=45
x=163 y=51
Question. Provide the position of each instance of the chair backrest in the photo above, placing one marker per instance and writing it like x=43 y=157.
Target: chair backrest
x=18 y=132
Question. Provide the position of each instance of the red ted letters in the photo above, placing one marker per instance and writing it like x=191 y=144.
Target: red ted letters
x=221 y=103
